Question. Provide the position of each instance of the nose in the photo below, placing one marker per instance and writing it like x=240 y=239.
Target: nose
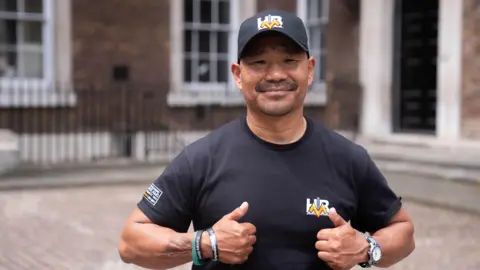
x=275 y=73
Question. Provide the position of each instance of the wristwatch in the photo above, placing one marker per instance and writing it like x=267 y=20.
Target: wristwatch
x=374 y=253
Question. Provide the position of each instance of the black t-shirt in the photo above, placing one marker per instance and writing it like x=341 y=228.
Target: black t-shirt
x=214 y=175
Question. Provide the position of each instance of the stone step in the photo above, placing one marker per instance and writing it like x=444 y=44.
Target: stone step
x=437 y=171
x=452 y=158
x=433 y=159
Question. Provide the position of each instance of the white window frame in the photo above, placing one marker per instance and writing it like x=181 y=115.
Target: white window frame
x=27 y=84
x=191 y=94
x=184 y=95
x=57 y=65
x=195 y=26
x=318 y=86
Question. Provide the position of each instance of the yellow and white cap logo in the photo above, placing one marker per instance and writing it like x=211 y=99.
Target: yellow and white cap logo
x=270 y=22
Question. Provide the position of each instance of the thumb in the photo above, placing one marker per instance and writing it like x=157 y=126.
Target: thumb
x=336 y=218
x=238 y=213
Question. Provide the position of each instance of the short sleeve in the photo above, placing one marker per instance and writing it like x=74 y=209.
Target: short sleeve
x=168 y=200
x=377 y=202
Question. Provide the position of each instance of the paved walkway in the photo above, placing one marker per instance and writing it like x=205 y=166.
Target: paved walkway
x=78 y=228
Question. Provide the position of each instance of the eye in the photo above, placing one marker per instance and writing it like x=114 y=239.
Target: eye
x=290 y=61
x=259 y=62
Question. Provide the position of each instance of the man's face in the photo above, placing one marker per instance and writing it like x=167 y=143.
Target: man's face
x=274 y=74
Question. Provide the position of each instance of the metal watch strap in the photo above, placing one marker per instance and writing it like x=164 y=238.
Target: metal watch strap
x=372 y=244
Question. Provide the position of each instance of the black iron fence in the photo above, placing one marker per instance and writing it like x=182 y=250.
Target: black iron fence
x=65 y=125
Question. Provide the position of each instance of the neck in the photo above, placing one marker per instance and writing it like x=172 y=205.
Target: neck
x=278 y=130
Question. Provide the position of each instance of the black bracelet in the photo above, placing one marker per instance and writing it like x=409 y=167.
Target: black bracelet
x=198 y=245
x=213 y=241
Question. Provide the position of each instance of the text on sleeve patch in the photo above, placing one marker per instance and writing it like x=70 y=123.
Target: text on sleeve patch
x=152 y=194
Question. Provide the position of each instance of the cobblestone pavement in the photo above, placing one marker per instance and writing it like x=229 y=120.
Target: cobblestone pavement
x=77 y=229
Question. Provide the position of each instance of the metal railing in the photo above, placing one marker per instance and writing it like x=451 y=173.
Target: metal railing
x=61 y=124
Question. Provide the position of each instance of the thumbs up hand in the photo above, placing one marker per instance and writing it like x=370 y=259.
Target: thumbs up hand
x=234 y=239
x=341 y=247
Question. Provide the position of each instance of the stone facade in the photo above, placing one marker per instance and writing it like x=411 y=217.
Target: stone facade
x=471 y=70
x=136 y=35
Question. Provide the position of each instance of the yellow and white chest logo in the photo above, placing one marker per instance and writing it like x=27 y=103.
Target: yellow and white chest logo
x=270 y=22
x=317 y=207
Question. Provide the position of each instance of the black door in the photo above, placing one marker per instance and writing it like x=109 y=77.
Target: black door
x=415 y=66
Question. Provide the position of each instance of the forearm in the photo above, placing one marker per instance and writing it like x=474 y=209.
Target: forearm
x=396 y=242
x=154 y=247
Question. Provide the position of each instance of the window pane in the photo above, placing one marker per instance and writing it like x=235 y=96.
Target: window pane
x=33 y=32
x=222 y=42
x=312 y=8
x=8 y=5
x=222 y=71
x=8 y=32
x=204 y=40
x=32 y=64
x=224 y=12
x=187 y=40
x=188 y=10
x=322 y=38
x=8 y=64
x=314 y=37
x=203 y=71
x=321 y=69
x=205 y=11
x=320 y=11
x=187 y=70
x=34 y=6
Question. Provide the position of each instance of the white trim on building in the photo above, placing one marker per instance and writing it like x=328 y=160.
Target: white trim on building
x=376 y=60
x=450 y=70
x=315 y=15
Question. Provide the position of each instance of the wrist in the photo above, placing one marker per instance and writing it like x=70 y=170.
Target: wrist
x=206 y=246
x=363 y=254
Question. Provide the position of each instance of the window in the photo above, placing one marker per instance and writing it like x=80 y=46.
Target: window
x=315 y=16
x=29 y=43
x=206 y=37
x=23 y=39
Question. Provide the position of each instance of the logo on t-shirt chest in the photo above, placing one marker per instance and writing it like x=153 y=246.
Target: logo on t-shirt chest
x=317 y=207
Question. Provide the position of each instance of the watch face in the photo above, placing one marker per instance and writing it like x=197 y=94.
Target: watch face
x=376 y=254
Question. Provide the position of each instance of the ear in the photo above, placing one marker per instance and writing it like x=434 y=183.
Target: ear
x=236 y=72
x=311 y=69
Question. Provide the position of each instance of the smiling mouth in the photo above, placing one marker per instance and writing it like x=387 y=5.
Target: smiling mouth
x=276 y=90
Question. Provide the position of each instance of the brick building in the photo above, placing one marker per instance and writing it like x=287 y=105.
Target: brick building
x=130 y=67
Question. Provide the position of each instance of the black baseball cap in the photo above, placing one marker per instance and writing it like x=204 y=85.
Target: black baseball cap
x=278 y=21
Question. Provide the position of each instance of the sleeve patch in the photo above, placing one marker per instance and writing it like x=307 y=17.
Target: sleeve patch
x=152 y=194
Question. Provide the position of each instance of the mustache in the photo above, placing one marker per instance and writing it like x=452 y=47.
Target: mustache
x=266 y=86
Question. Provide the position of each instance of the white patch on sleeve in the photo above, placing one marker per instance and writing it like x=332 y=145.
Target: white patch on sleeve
x=152 y=194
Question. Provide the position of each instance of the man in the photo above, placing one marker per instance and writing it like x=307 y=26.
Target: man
x=272 y=189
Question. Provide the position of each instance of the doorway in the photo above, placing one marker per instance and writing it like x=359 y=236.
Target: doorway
x=415 y=66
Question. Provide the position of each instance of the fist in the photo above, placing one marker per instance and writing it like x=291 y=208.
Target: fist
x=234 y=240
x=341 y=247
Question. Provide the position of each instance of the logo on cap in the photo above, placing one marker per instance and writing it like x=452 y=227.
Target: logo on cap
x=270 y=22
